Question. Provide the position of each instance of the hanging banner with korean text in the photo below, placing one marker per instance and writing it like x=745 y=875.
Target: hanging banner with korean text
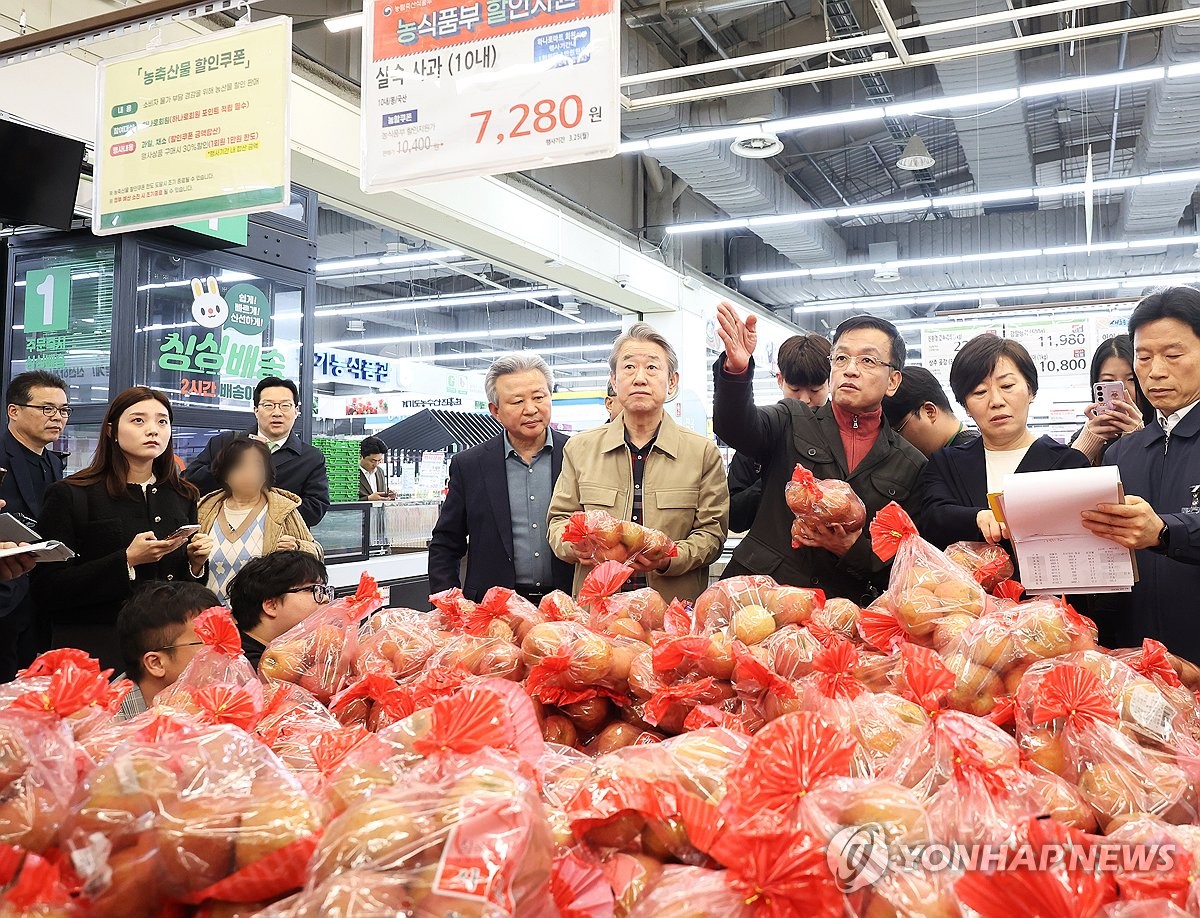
x=455 y=88
x=194 y=130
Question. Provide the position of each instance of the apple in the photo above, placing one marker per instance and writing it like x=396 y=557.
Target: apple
x=752 y=624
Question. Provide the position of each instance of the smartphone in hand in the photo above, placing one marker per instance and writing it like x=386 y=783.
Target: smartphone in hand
x=183 y=532
x=1107 y=394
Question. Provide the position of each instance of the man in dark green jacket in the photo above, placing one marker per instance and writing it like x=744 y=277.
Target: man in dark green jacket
x=845 y=439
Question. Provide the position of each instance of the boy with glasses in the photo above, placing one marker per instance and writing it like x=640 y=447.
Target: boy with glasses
x=845 y=439
x=37 y=416
x=273 y=594
x=154 y=629
x=299 y=467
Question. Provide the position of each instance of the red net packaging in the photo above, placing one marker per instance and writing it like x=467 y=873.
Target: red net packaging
x=783 y=762
x=560 y=607
x=989 y=564
x=40 y=761
x=880 y=721
x=503 y=613
x=319 y=652
x=484 y=713
x=629 y=876
x=597 y=535
x=579 y=886
x=1067 y=723
x=190 y=813
x=1145 y=713
x=374 y=701
x=1152 y=661
x=398 y=641
x=219 y=660
x=1068 y=888
x=39 y=889
x=568 y=662
x=461 y=833
x=638 y=799
x=827 y=502
x=292 y=721
x=924 y=587
x=478 y=656
x=838 y=617
x=454 y=608
x=635 y=614
x=716 y=606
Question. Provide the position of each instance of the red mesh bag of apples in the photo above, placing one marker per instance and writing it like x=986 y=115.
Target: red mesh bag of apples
x=462 y=834
x=597 y=535
x=1068 y=723
x=636 y=613
x=569 y=662
x=751 y=608
x=318 y=653
x=828 y=501
x=989 y=564
x=191 y=813
x=40 y=762
x=398 y=641
x=924 y=587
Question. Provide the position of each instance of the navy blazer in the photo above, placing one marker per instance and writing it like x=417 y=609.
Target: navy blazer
x=954 y=486
x=20 y=496
x=476 y=521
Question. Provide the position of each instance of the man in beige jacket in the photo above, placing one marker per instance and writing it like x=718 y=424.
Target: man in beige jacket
x=644 y=467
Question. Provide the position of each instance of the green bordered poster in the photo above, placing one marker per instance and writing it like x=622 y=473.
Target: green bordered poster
x=194 y=130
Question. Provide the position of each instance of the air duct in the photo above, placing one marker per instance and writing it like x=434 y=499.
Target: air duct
x=1168 y=138
x=995 y=143
x=738 y=186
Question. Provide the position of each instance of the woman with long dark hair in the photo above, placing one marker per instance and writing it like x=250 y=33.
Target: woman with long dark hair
x=1112 y=362
x=121 y=515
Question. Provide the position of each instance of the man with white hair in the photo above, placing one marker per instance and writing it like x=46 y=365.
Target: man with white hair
x=495 y=509
x=644 y=468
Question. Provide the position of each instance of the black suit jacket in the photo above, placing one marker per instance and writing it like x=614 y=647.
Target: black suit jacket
x=299 y=468
x=21 y=495
x=745 y=491
x=476 y=521
x=90 y=588
x=954 y=486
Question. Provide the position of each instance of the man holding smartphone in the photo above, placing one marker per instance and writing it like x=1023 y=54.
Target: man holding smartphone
x=37 y=416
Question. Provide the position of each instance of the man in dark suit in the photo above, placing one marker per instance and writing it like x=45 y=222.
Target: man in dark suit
x=37 y=416
x=299 y=467
x=499 y=494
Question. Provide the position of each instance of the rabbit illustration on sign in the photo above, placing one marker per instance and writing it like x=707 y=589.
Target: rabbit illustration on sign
x=209 y=308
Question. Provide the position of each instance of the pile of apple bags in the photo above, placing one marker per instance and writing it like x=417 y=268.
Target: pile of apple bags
x=618 y=755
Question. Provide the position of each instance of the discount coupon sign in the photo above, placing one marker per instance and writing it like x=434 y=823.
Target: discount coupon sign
x=481 y=87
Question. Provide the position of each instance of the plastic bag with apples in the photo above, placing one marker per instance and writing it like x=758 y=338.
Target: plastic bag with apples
x=599 y=536
x=828 y=502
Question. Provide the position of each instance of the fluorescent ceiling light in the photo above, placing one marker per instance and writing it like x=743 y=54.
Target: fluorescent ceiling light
x=1098 y=81
x=497 y=333
x=936 y=260
x=402 y=258
x=399 y=304
x=981 y=100
x=922 y=205
x=866 y=303
x=492 y=355
x=346 y=23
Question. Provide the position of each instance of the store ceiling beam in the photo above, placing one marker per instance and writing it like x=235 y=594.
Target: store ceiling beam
x=870 y=39
x=151 y=14
x=817 y=75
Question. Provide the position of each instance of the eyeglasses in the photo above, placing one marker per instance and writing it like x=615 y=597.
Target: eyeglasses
x=48 y=410
x=177 y=646
x=865 y=361
x=322 y=592
x=905 y=424
x=282 y=406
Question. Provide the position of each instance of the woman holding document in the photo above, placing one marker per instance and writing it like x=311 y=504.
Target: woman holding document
x=995 y=380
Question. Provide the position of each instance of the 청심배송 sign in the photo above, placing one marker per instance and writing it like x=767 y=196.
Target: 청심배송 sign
x=194 y=130
x=455 y=88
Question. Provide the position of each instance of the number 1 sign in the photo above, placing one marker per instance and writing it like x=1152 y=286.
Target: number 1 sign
x=481 y=87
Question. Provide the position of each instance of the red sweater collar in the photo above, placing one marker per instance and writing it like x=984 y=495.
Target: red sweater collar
x=867 y=425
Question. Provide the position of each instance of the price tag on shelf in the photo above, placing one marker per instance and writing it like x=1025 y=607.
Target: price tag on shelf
x=455 y=88
x=940 y=341
x=1059 y=347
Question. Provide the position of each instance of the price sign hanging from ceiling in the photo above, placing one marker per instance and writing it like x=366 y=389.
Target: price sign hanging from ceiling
x=455 y=88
